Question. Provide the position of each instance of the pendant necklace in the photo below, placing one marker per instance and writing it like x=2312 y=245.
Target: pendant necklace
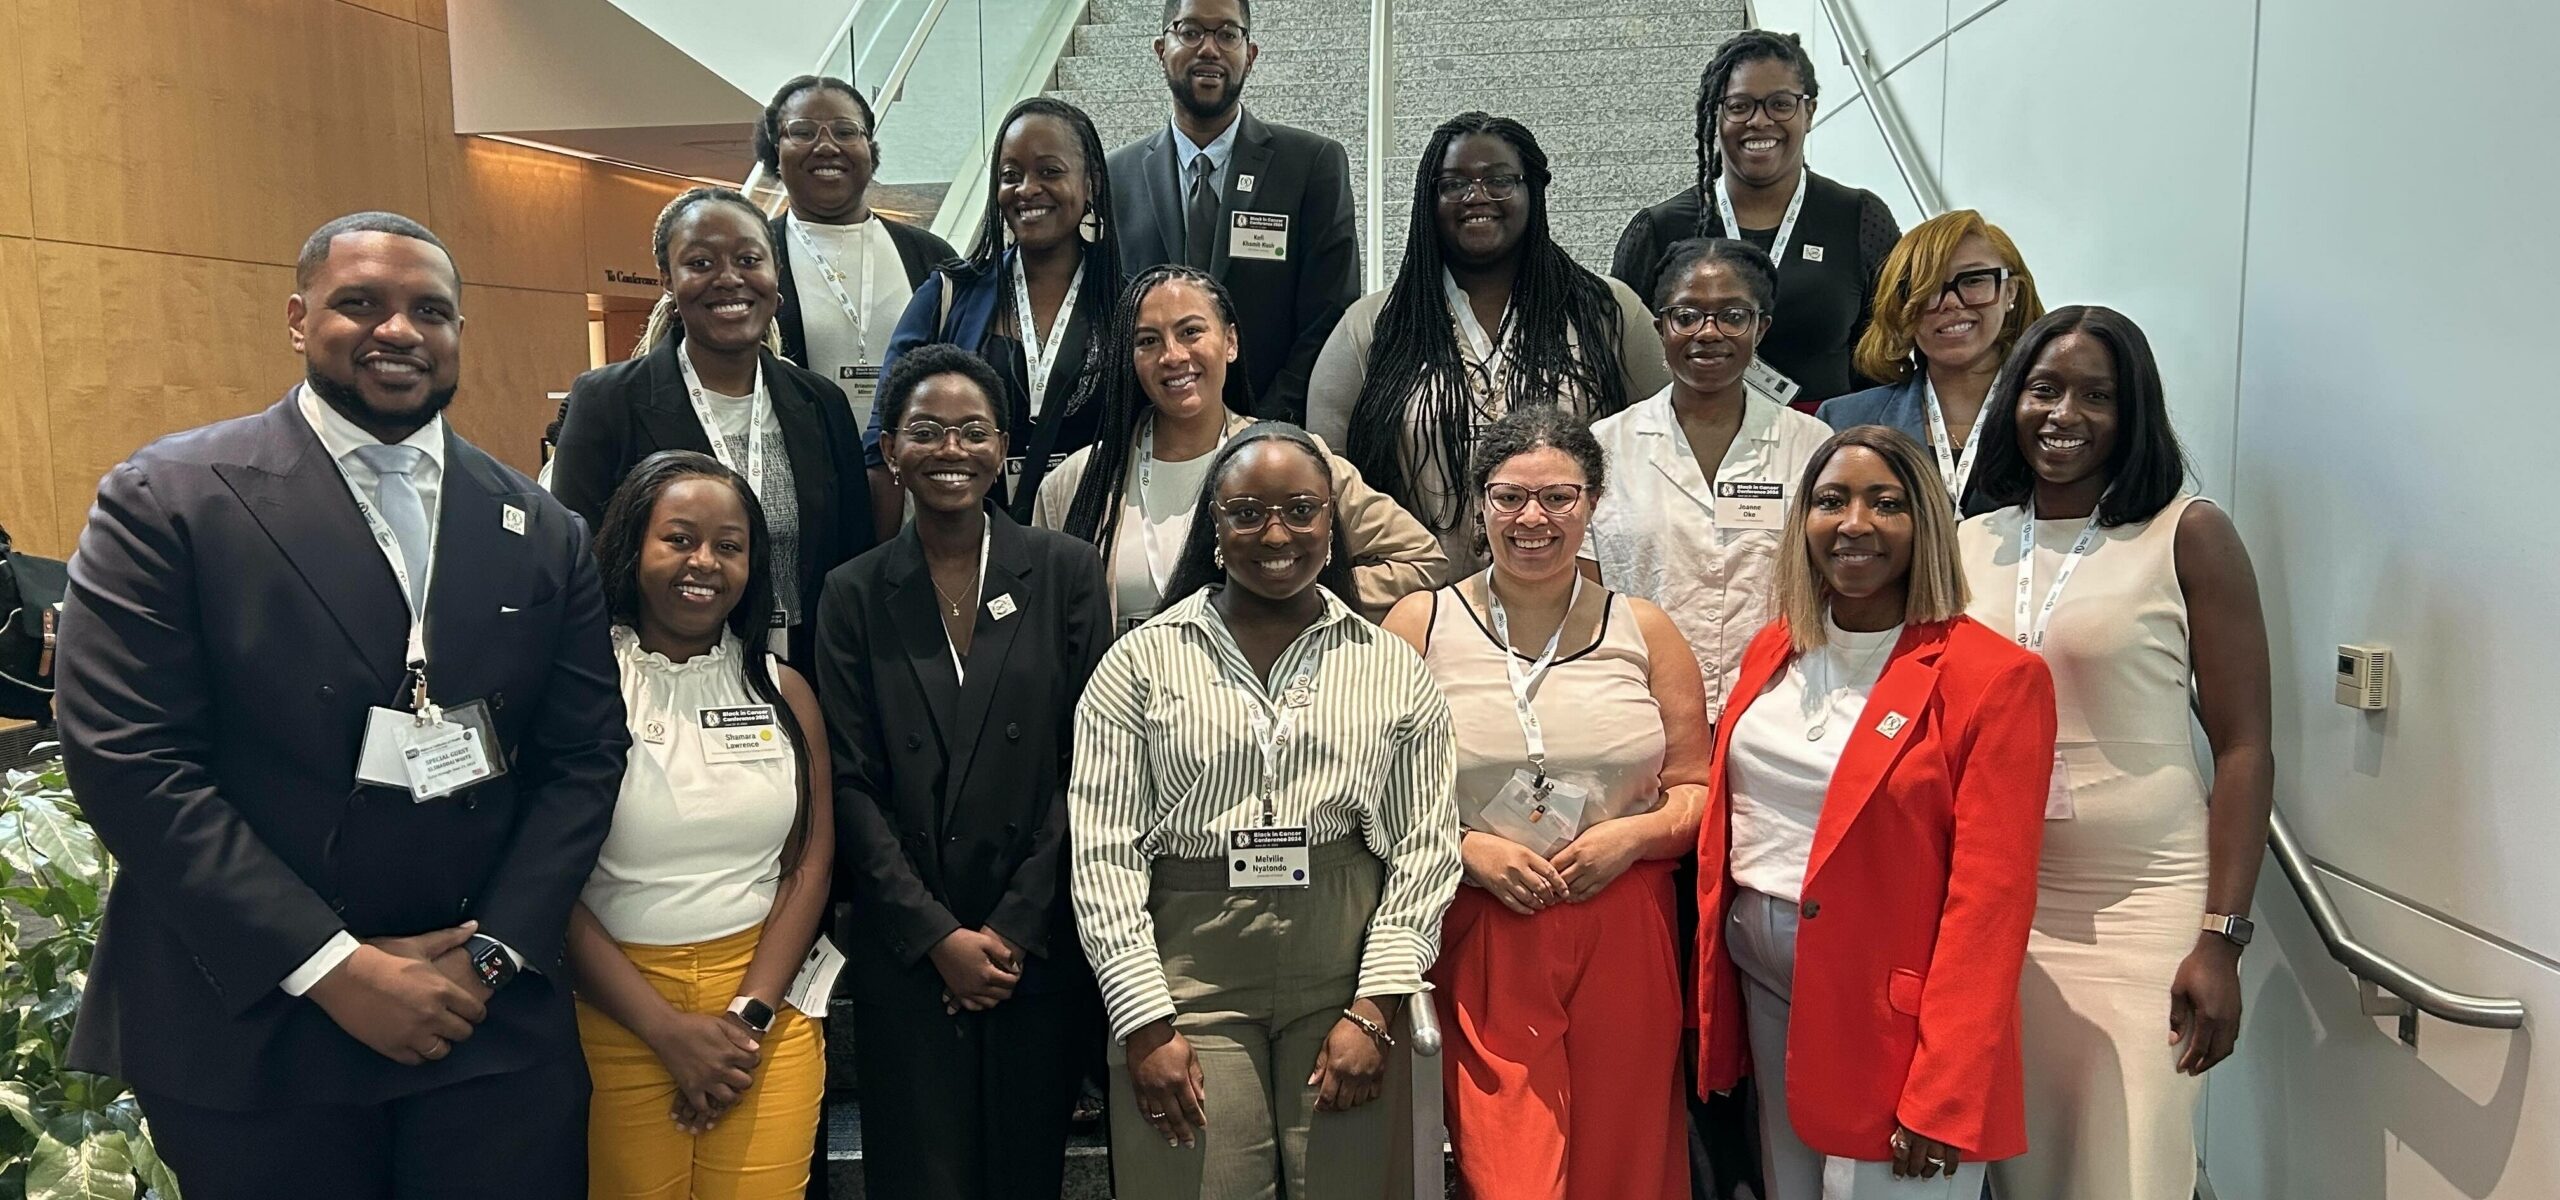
x=1822 y=700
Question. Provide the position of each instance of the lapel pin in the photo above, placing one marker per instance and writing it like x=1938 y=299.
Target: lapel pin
x=653 y=732
x=1892 y=724
x=1812 y=253
x=1002 y=606
x=511 y=517
x=1244 y=183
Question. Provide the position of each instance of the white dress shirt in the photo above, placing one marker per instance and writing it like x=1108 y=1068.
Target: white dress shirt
x=868 y=260
x=1654 y=532
x=1221 y=151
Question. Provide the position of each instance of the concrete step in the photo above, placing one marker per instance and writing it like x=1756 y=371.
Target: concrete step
x=1088 y=1157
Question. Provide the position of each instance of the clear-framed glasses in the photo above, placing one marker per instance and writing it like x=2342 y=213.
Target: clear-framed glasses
x=804 y=132
x=1555 y=499
x=973 y=434
x=1494 y=187
x=1976 y=288
x=1248 y=516
x=1192 y=33
x=1781 y=106
x=1685 y=321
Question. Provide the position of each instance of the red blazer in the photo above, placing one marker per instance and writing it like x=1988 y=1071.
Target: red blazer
x=1916 y=905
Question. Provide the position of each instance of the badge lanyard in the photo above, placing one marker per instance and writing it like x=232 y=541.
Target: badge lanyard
x=986 y=542
x=1270 y=731
x=2032 y=636
x=1955 y=466
x=1786 y=228
x=1038 y=353
x=835 y=283
x=428 y=712
x=1157 y=573
x=758 y=408
x=1523 y=680
x=1488 y=353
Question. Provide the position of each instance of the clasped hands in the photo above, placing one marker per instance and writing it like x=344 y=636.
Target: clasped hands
x=409 y=999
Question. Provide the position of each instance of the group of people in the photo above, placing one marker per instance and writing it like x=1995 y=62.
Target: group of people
x=1125 y=652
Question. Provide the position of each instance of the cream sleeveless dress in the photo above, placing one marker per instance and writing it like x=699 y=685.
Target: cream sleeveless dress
x=2122 y=886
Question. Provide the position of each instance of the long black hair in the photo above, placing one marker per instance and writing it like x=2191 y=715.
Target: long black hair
x=617 y=549
x=1101 y=286
x=2146 y=470
x=1124 y=396
x=1414 y=357
x=1198 y=567
x=1748 y=46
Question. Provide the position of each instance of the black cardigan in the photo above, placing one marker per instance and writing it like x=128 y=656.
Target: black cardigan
x=623 y=413
x=918 y=252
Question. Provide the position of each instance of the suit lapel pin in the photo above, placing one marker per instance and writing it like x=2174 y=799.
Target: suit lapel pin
x=511 y=517
x=1244 y=183
x=1002 y=606
x=1892 y=724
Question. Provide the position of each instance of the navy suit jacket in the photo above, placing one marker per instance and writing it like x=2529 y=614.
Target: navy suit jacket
x=230 y=622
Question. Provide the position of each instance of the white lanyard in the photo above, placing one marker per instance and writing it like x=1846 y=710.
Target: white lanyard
x=835 y=282
x=1786 y=228
x=1038 y=353
x=986 y=540
x=1953 y=465
x=1488 y=354
x=759 y=406
x=389 y=543
x=1158 y=573
x=2032 y=636
x=1271 y=729
x=1524 y=680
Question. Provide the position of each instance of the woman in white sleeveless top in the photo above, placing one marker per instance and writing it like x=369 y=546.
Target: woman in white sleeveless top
x=2138 y=596
x=706 y=896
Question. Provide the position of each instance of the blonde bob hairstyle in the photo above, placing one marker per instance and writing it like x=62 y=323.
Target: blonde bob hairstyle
x=1909 y=283
x=1933 y=592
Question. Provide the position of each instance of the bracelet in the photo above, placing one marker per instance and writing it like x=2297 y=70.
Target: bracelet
x=1377 y=1033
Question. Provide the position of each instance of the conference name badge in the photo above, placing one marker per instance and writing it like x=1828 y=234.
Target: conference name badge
x=861 y=390
x=1259 y=235
x=1770 y=383
x=431 y=757
x=1267 y=856
x=740 y=733
x=1744 y=504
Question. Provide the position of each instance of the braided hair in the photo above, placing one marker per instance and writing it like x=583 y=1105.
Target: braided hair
x=1101 y=254
x=1124 y=398
x=1748 y=46
x=1414 y=357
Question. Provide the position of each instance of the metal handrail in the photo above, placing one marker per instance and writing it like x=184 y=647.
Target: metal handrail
x=1422 y=1033
x=1888 y=117
x=2417 y=994
x=895 y=85
x=1382 y=131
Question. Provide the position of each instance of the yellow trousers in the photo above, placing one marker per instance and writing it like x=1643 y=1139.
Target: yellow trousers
x=759 y=1151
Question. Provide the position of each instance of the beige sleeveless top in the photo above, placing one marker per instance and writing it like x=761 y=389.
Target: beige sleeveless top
x=1596 y=705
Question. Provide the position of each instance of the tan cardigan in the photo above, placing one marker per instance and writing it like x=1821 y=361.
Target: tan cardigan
x=1392 y=554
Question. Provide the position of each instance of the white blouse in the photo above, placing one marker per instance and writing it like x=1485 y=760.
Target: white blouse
x=1785 y=751
x=695 y=852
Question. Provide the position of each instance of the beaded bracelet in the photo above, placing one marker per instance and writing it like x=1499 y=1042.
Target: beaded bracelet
x=1377 y=1033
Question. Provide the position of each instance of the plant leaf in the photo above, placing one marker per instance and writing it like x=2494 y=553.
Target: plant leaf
x=64 y=846
x=97 y=1167
x=154 y=1173
x=20 y=1102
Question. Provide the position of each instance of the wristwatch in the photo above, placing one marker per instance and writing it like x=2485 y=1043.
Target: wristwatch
x=489 y=957
x=753 y=1013
x=2238 y=929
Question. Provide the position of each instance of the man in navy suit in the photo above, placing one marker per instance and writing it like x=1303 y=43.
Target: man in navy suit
x=325 y=976
x=1265 y=208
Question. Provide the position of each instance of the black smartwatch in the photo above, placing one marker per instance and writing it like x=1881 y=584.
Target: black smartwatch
x=753 y=1013
x=497 y=968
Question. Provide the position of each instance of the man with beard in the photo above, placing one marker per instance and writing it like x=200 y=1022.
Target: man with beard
x=336 y=692
x=1265 y=208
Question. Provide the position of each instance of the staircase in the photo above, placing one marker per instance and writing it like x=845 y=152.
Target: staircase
x=1088 y=1160
x=1611 y=95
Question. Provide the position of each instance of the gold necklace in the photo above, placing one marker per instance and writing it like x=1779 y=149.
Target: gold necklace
x=955 y=606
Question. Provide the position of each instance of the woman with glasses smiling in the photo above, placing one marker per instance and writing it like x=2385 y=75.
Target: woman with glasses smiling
x=1953 y=297
x=846 y=271
x=1264 y=843
x=1756 y=102
x=1582 y=767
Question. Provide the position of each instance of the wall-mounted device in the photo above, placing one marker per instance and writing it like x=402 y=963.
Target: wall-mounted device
x=2364 y=677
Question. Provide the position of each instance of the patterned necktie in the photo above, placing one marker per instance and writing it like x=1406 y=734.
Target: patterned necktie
x=396 y=498
x=1201 y=217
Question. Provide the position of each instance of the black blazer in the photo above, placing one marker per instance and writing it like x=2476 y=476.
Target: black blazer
x=623 y=413
x=229 y=623
x=1286 y=309
x=951 y=800
x=918 y=252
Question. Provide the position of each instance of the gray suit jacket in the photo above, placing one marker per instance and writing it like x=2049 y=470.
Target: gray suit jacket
x=1286 y=308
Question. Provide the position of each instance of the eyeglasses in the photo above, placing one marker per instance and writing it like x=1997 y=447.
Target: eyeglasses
x=1781 y=106
x=805 y=132
x=1228 y=37
x=1973 y=289
x=930 y=434
x=1557 y=499
x=1685 y=321
x=1249 y=517
x=1494 y=187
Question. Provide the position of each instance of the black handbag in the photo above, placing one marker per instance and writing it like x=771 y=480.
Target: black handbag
x=31 y=591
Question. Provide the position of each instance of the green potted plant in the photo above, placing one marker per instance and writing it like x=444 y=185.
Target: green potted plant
x=67 y=1135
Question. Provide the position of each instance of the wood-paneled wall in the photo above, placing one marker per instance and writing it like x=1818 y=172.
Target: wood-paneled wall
x=161 y=162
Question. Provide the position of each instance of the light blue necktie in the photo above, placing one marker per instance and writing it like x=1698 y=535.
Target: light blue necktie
x=402 y=509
